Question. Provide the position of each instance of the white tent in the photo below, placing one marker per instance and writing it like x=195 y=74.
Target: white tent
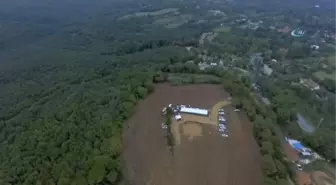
x=203 y=112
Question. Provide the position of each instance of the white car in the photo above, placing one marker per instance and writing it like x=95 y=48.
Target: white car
x=299 y=166
x=237 y=110
x=225 y=135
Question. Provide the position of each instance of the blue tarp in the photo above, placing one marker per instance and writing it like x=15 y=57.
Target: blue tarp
x=298 y=146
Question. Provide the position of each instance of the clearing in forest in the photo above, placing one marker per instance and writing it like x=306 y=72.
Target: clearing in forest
x=324 y=75
x=205 y=157
x=315 y=174
x=146 y=14
x=321 y=178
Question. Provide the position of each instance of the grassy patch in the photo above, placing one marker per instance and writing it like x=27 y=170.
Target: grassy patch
x=332 y=60
x=318 y=165
x=181 y=78
x=222 y=29
x=164 y=11
x=173 y=21
x=324 y=75
x=143 y=14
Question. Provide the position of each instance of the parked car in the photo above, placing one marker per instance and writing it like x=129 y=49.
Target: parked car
x=299 y=166
x=164 y=126
x=221 y=122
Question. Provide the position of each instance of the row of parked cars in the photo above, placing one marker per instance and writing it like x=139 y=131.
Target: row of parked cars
x=222 y=124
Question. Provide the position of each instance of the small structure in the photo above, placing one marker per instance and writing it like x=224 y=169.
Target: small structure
x=310 y=84
x=178 y=117
x=267 y=70
x=266 y=101
x=299 y=166
x=197 y=111
x=203 y=65
x=305 y=154
x=315 y=47
x=297 y=145
x=164 y=111
x=298 y=32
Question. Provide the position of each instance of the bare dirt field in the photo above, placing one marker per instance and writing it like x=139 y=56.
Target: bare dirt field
x=291 y=153
x=192 y=129
x=208 y=159
x=196 y=118
x=303 y=178
x=321 y=178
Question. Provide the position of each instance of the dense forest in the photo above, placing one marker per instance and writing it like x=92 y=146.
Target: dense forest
x=72 y=73
x=66 y=128
x=66 y=92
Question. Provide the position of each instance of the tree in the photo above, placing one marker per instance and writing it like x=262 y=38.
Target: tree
x=267 y=148
x=269 y=181
x=281 y=169
x=265 y=135
x=112 y=177
x=282 y=181
x=268 y=165
x=141 y=92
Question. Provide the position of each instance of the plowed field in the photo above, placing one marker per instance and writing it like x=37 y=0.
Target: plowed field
x=208 y=159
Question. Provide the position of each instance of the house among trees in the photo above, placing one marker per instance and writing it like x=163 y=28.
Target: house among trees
x=310 y=84
x=267 y=70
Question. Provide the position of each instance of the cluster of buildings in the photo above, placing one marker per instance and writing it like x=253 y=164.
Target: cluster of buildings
x=187 y=109
x=251 y=25
x=258 y=65
x=306 y=155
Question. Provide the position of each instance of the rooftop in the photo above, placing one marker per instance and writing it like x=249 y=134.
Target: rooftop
x=194 y=111
x=309 y=84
